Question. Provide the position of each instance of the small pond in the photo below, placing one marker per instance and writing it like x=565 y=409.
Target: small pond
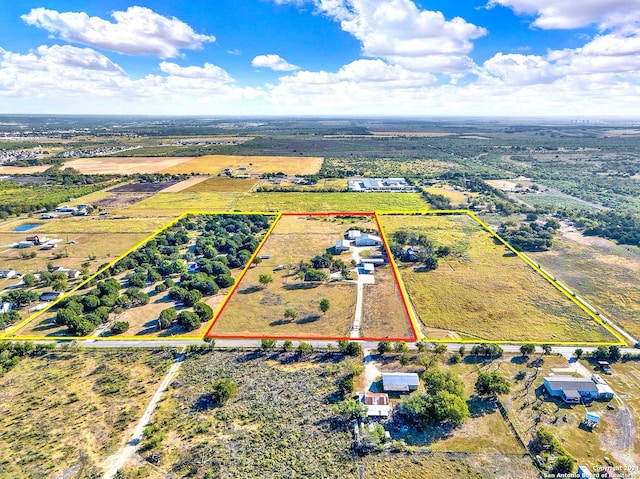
x=25 y=227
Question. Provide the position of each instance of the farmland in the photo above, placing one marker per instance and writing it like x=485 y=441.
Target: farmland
x=283 y=201
x=223 y=184
x=85 y=404
x=124 y=166
x=214 y=164
x=457 y=299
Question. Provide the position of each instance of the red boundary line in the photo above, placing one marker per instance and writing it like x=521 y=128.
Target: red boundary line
x=316 y=338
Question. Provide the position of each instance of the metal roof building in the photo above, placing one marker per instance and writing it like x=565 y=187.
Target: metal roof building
x=400 y=382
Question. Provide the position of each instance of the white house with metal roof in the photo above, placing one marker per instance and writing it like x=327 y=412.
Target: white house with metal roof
x=400 y=382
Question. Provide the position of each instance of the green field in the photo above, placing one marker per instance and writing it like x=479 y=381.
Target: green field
x=299 y=202
x=486 y=292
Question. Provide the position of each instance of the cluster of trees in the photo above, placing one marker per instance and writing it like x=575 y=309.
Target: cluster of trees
x=11 y=353
x=188 y=320
x=314 y=270
x=610 y=353
x=624 y=227
x=546 y=443
x=422 y=249
x=486 y=350
x=82 y=314
x=530 y=237
x=491 y=384
x=443 y=401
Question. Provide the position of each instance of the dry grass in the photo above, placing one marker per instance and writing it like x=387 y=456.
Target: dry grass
x=383 y=312
x=222 y=184
x=213 y=164
x=183 y=185
x=112 y=224
x=176 y=203
x=84 y=405
x=457 y=198
x=255 y=310
x=125 y=165
x=605 y=274
x=23 y=170
x=488 y=293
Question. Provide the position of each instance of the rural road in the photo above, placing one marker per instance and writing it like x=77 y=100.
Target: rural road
x=115 y=462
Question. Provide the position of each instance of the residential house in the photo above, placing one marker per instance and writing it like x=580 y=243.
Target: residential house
x=49 y=296
x=377 y=404
x=574 y=390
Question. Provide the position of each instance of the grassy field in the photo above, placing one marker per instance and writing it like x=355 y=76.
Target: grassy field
x=383 y=312
x=213 y=164
x=380 y=167
x=278 y=424
x=257 y=310
x=84 y=406
x=311 y=202
x=297 y=202
x=487 y=292
x=124 y=165
x=457 y=198
x=324 y=184
x=90 y=224
x=223 y=184
x=607 y=275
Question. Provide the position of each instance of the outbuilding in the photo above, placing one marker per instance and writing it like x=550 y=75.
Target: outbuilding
x=377 y=404
x=367 y=240
x=400 y=382
x=342 y=245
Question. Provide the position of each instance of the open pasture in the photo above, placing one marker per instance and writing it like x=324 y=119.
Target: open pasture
x=250 y=165
x=222 y=184
x=124 y=165
x=486 y=292
x=257 y=309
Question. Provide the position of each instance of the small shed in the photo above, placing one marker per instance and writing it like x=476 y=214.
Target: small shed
x=592 y=420
x=377 y=404
x=368 y=268
x=400 y=382
x=353 y=234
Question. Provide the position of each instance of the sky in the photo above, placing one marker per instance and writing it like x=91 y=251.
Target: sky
x=321 y=57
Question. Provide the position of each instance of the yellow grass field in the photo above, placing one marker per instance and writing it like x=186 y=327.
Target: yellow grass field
x=90 y=224
x=487 y=292
x=457 y=198
x=124 y=165
x=222 y=184
x=213 y=164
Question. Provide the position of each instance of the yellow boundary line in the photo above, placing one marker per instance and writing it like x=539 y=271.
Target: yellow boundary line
x=8 y=333
x=535 y=266
x=538 y=269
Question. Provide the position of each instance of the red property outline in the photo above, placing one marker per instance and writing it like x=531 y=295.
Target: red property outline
x=220 y=310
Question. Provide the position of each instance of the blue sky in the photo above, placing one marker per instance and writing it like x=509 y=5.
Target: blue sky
x=321 y=57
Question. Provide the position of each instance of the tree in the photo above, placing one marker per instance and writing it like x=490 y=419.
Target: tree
x=188 y=320
x=119 y=327
x=325 y=304
x=192 y=297
x=166 y=318
x=203 y=310
x=564 y=464
x=578 y=352
x=345 y=385
x=349 y=347
x=29 y=279
x=424 y=410
x=265 y=278
x=287 y=345
x=546 y=348
x=384 y=346
x=304 y=348
x=313 y=274
x=61 y=283
x=400 y=347
x=491 y=384
x=527 y=349
x=440 y=348
x=267 y=344
x=351 y=409
x=20 y=297
x=223 y=390
x=291 y=313
x=436 y=380
x=614 y=353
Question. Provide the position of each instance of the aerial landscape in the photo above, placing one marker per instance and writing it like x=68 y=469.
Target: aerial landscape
x=320 y=239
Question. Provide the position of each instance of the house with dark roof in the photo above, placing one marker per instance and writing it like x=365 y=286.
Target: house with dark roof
x=574 y=390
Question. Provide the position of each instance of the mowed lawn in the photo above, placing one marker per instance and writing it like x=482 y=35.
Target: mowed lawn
x=295 y=202
x=213 y=164
x=487 y=293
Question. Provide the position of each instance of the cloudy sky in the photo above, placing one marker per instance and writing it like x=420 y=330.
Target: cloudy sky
x=321 y=57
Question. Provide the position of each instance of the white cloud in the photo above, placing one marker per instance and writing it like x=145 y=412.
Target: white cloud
x=208 y=72
x=565 y=14
x=136 y=31
x=401 y=33
x=274 y=62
